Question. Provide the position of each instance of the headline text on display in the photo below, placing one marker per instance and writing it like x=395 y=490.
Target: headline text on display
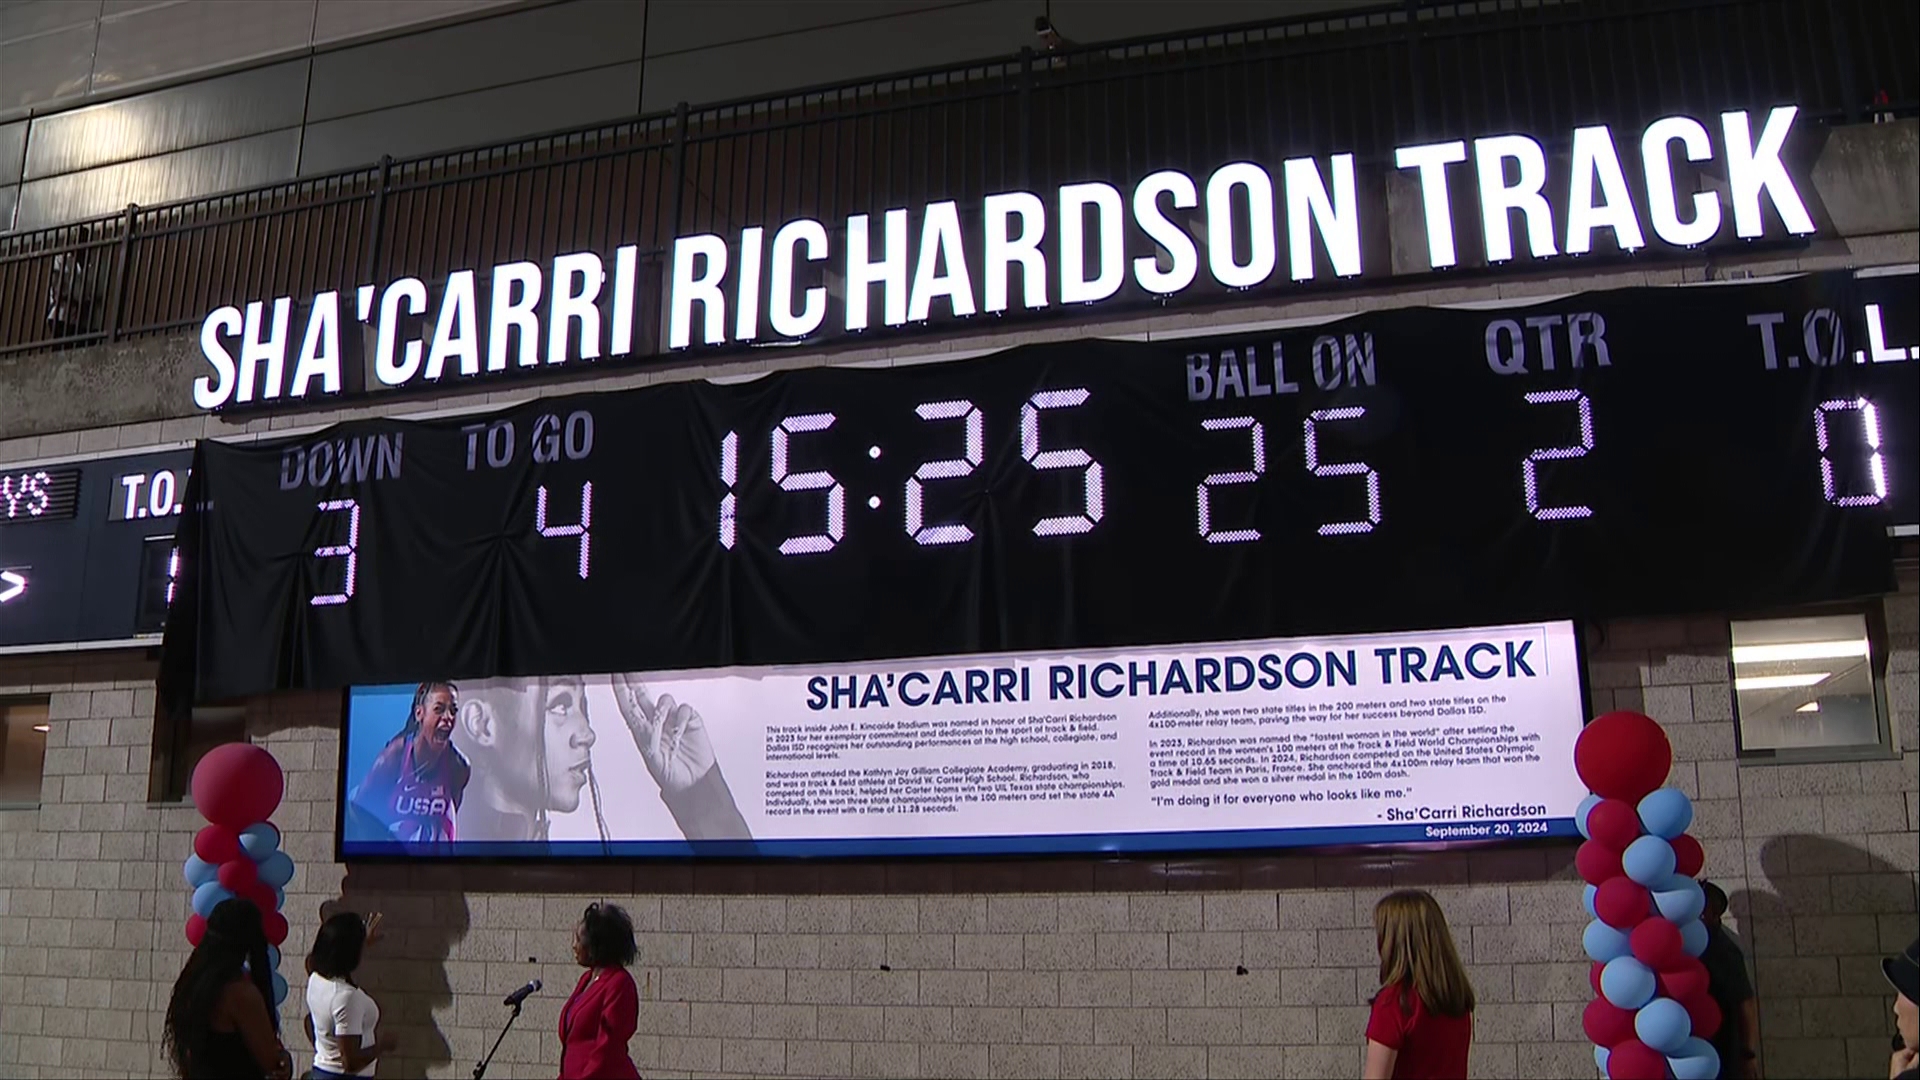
x=1629 y=452
x=1379 y=739
x=1017 y=251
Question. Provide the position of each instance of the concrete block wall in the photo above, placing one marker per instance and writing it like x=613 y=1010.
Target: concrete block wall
x=1038 y=968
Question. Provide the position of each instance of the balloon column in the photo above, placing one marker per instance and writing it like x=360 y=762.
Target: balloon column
x=236 y=787
x=1653 y=1016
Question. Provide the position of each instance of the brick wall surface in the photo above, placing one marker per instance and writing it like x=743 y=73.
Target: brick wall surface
x=1064 y=968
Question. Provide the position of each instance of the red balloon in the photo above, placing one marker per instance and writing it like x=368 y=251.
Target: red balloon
x=1705 y=1014
x=1614 y=823
x=276 y=924
x=1606 y=1024
x=1688 y=855
x=237 y=785
x=1635 y=1060
x=238 y=875
x=1622 y=902
x=260 y=894
x=1656 y=943
x=1597 y=862
x=1593 y=975
x=1686 y=978
x=196 y=929
x=216 y=844
x=1622 y=755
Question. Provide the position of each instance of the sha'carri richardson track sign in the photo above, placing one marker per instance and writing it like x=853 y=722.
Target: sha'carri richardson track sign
x=1637 y=451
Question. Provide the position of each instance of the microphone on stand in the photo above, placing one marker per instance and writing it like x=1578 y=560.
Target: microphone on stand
x=512 y=1001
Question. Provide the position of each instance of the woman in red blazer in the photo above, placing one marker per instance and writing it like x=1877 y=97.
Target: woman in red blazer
x=604 y=1008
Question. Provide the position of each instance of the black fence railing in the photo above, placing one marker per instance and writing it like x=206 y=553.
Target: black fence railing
x=1364 y=82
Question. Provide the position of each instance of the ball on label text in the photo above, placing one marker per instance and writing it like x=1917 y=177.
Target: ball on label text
x=236 y=785
x=1622 y=755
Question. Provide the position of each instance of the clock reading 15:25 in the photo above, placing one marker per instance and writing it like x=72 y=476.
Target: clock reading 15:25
x=158 y=494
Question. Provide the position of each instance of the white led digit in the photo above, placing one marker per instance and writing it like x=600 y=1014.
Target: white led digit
x=1258 y=433
x=1529 y=479
x=729 y=472
x=1876 y=464
x=583 y=530
x=1064 y=458
x=809 y=481
x=975 y=450
x=1343 y=468
x=160 y=494
x=349 y=551
x=173 y=574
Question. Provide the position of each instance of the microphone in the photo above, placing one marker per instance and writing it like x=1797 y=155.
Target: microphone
x=522 y=994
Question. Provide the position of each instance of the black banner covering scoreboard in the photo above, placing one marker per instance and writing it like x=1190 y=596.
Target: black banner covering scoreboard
x=1630 y=452
x=86 y=548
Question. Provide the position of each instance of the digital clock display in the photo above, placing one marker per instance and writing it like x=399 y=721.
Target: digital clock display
x=1629 y=452
x=48 y=494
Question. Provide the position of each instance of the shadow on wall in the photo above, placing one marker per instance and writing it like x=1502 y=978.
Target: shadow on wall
x=421 y=922
x=1816 y=929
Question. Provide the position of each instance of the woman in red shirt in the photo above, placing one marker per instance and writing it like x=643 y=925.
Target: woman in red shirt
x=604 y=1008
x=1422 y=1022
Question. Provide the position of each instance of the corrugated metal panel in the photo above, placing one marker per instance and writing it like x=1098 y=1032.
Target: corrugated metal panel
x=484 y=116
x=340 y=20
x=25 y=20
x=477 y=55
x=154 y=43
x=13 y=151
x=853 y=51
x=229 y=166
x=47 y=68
x=680 y=25
x=215 y=110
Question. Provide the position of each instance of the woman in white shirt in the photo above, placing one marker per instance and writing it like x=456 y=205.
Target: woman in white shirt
x=342 y=1018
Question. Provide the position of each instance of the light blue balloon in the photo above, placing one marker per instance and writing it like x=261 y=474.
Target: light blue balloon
x=209 y=896
x=1680 y=900
x=1587 y=896
x=1693 y=937
x=279 y=989
x=1580 y=815
x=1696 y=1060
x=1627 y=983
x=277 y=869
x=1666 y=812
x=1600 y=1056
x=279 y=899
x=259 y=841
x=1649 y=861
x=1663 y=1024
x=1603 y=943
x=273 y=957
x=198 y=871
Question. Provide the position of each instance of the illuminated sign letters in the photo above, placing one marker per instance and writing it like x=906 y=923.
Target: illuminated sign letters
x=1016 y=250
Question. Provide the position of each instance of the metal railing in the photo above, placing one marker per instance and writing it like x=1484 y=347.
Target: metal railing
x=1363 y=82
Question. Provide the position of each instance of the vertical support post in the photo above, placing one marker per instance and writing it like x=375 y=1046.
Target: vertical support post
x=117 y=287
x=1419 y=132
x=679 y=173
x=379 y=220
x=1026 y=117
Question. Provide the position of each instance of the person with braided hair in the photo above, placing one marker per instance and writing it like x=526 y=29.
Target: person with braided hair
x=417 y=783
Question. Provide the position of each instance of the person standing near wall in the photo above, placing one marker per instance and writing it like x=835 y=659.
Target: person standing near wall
x=601 y=1014
x=342 y=1018
x=1422 y=1022
x=220 y=1022
x=1732 y=990
x=1903 y=972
